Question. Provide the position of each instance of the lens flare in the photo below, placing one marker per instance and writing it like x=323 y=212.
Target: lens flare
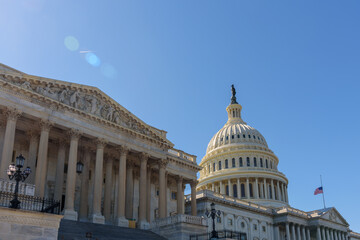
x=108 y=70
x=92 y=59
x=71 y=43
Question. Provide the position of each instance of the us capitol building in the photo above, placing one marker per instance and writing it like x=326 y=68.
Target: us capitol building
x=97 y=163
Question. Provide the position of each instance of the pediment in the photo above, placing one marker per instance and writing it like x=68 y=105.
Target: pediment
x=334 y=216
x=87 y=99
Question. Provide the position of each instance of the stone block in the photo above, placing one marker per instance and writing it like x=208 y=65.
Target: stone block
x=50 y=233
x=26 y=230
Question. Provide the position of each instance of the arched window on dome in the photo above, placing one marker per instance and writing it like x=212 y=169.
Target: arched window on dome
x=270 y=193
x=233 y=162
x=255 y=162
x=240 y=162
x=242 y=186
x=214 y=165
x=266 y=163
x=244 y=136
x=235 y=191
x=251 y=190
x=248 y=161
x=254 y=137
x=219 y=165
x=227 y=190
x=271 y=164
x=238 y=135
x=249 y=136
x=226 y=163
x=261 y=163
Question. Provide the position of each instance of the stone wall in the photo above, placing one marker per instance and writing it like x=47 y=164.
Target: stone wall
x=25 y=225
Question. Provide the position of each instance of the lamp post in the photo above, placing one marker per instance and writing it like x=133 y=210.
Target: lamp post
x=14 y=171
x=212 y=214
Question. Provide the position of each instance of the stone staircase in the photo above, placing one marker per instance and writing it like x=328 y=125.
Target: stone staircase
x=72 y=230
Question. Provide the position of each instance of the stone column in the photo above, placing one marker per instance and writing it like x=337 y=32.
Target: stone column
x=238 y=188
x=142 y=223
x=332 y=234
x=272 y=190
x=193 y=198
x=222 y=188
x=318 y=233
x=298 y=234
x=286 y=195
x=9 y=139
x=97 y=217
x=231 y=194
x=213 y=187
x=293 y=232
x=247 y=189
x=277 y=232
x=129 y=190
x=59 y=177
x=162 y=186
x=307 y=233
x=335 y=235
x=108 y=187
x=261 y=190
x=148 y=194
x=339 y=235
x=121 y=220
x=278 y=191
x=180 y=195
x=69 y=212
x=265 y=189
x=41 y=169
x=256 y=189
x=2 y=136
x=327 y=234
x=33 y=148
x=323 y=233
x=287 y=231
x=84 y=194
x=283 y=193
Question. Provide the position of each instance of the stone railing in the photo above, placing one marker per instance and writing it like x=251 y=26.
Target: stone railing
x=291 y=210
x=183 y=155
x=24 y=188
x=217 y=196
x=180 y=218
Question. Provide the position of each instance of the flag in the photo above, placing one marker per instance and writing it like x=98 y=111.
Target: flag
x=318 y=191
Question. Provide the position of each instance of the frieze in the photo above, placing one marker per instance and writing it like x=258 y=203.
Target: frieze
x=86 y=100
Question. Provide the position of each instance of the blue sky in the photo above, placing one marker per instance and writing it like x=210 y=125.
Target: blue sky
x=295 y=65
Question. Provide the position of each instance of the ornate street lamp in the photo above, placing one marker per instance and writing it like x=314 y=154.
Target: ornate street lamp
x=212 y=214
x=14 y=171
x=79 y=167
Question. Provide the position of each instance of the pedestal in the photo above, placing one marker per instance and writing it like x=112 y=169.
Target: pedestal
x=70 y=215
x=143 y=225
x=122 y=222
x=98 y=218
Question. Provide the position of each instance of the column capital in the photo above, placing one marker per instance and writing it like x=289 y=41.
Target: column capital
x=61 y=142
x=12 y=113
x=33 y=134
x=123 y=149
x=143 y=157
x=74 y=134
x=193 y=183
x=130 y=165
x=179 y=178
x=101 y=142
x=45 y=125
x=163 y=163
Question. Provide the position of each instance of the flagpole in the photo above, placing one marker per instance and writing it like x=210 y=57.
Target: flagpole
x=322 y=191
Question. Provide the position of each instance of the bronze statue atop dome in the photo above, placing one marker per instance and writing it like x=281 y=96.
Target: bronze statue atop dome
x=233 y=98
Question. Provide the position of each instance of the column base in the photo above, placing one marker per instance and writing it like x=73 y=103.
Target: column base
x=98 y=218
x=70 y=215
x=143 y=224
x=122 y=222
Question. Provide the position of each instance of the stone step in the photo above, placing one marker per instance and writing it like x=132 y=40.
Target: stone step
x=73 y=230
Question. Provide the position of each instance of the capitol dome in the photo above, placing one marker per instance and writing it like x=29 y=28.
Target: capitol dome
x=238 y=163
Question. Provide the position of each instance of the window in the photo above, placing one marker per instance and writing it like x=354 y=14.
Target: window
x=221 y=139
x=227 y=190
x=219 y=165
x=263 y=228
x=233 y=162
x=232 y=136
x=230 y=222
x=254 y=137
x=240 y=162
x=255 y=162
x=242 y=190
x=270 y=193
x=218 y=219
x=258 y=138
x=238 y=135
x=244 y=136
x=261 y=163
x=248 y=161
x=251 y=190
x=266 y=163
x=249 y=136
x=226 y=163
x=242 y=225
x=157 y=192
x=209 y=168
x=235 y=191
x=214 y=167
x=227 y=137
x=255 y=227
x=173 y=195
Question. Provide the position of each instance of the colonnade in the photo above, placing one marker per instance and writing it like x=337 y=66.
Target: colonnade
x=251 y=188
x=327 y=233
x=38 y=156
